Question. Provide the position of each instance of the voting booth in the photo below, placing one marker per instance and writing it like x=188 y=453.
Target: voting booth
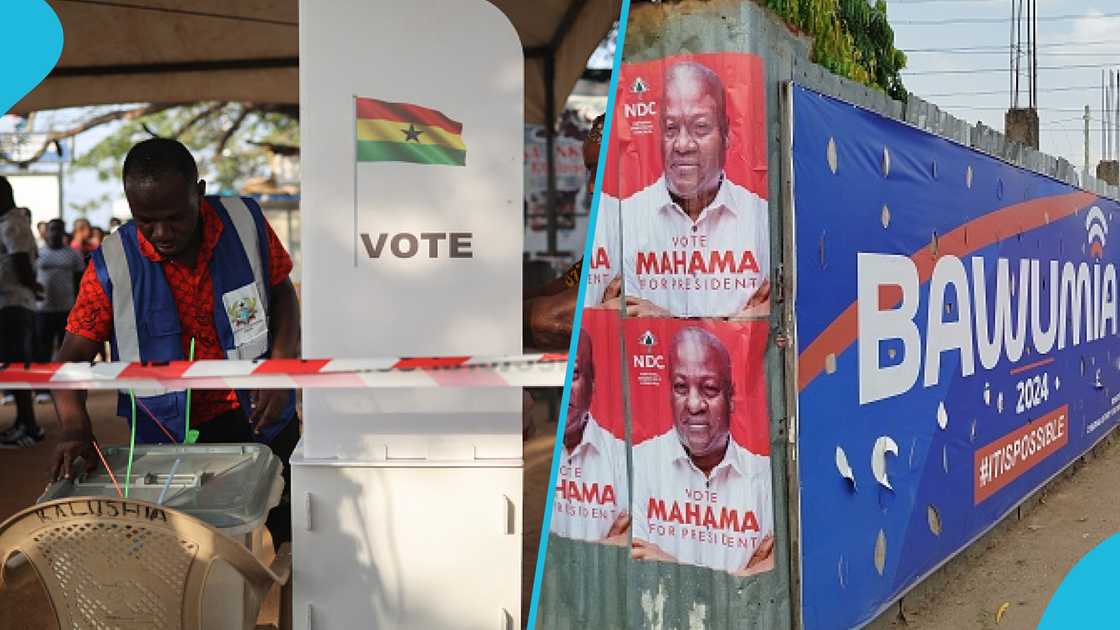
x=407 y=502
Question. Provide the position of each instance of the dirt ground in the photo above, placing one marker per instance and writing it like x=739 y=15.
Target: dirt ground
x=1022 y=561
x=24 y=475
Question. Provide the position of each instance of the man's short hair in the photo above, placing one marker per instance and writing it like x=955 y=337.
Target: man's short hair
x=156 y=158
x=58 y=222
x=711 y=81
x=7 y=197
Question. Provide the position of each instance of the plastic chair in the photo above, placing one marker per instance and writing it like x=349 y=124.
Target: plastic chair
x=110 y=563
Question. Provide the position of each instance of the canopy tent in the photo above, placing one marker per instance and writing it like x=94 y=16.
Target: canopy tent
x=169 y=51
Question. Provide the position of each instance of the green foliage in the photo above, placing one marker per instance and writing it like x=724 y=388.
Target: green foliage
x=201 y=127
x=851 y=38
x=83 y=209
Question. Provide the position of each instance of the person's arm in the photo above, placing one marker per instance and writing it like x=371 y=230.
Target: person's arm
x=645 y=550
x=761 y=561
x=552 y=287
x=567 y=280
x=79 y=268
x=283 y=326
x=25 y=271
x=77 y=431
x=548 y=319
x=20 y=242
x=88 y=326
x=283 y=323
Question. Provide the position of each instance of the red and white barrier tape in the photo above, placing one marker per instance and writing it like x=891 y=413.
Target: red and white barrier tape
x=530 y=370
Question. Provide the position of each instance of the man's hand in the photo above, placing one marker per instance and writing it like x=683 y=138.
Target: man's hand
x=636 y=307
x=268 y=408
x=762 y=560
x=549 y=319
x=73 y=446
x=77 y=432
x=619 y=530
x=614 y=289
x=758 y=306
x=642 y=550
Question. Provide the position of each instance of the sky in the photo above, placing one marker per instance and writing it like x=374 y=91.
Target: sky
x=1088 y=34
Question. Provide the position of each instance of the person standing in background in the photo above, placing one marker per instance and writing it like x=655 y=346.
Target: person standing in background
x=81 y=241
x=18 y=291
x=60 y=269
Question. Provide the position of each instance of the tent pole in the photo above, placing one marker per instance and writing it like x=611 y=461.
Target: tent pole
x=550 y=145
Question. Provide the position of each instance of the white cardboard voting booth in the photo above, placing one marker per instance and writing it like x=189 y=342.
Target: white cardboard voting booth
x=406 y=504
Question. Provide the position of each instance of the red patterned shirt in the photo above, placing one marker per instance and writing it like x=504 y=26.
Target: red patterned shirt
x=193 y=292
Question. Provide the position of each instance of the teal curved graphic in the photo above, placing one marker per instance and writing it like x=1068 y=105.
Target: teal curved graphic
x=32 y=45
x=1084 y=598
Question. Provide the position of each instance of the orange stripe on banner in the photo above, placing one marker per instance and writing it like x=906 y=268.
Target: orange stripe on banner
x=430 y=363
x=546 y=358
x=1030 y=366
x=26 y=372
x=291 y=366
x=998 y=463
x=961 y=241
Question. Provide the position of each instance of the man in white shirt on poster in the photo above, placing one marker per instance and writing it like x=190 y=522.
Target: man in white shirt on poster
x=694 y=243
x=591 y=500
x=700 y=498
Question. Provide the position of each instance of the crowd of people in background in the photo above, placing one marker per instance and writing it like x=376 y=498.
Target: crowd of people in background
x=39 y=276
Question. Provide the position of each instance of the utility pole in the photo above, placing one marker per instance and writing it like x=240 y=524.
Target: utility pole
x=1020 y=122
x=1087 y=117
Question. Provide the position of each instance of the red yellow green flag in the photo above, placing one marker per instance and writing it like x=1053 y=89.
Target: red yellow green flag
x=401 y=132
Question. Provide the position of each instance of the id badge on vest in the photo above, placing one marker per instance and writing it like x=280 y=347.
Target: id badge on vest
x=247 y=320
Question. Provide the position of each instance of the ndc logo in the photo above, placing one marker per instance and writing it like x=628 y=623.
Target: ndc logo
x=1097 y=227
x=639 y=86
x=645 y=359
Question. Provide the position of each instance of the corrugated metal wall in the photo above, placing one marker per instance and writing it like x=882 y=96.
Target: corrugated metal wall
x=597 y=586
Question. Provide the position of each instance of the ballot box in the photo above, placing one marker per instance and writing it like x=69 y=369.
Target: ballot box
x=231 y=487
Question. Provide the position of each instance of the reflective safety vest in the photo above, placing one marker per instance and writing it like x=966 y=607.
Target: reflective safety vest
x=146 y=324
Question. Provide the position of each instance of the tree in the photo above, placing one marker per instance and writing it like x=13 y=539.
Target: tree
x=851 y=38
x=231 y=140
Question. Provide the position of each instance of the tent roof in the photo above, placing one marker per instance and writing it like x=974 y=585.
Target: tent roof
x=170 y=51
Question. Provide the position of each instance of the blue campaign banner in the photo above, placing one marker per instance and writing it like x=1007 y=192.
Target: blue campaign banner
x=957 y=347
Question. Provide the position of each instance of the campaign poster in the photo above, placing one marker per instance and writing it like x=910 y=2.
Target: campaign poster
x=956 y=330
x=683 y=214
x=571 y=174
x=702 y=485
x=591 y=501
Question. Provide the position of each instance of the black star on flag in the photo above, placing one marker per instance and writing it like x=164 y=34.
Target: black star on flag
x=412 y=133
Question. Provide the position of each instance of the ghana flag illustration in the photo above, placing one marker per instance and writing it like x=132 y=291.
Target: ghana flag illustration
x=401 y=132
